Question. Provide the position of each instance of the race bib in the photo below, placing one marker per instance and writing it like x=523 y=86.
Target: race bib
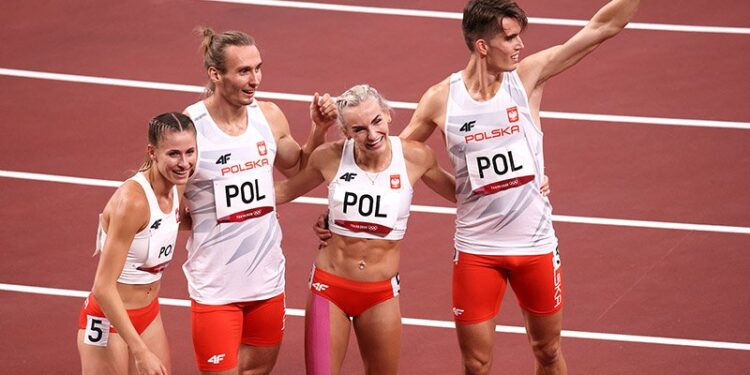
x=500 y=168
x=365 y=209
x=97 y=331
x=244 y=197
x=160 y=251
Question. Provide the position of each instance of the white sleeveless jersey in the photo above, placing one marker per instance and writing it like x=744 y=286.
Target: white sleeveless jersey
x=496 y=152
x=370 y=205
x=153 y=247
x=234 y=251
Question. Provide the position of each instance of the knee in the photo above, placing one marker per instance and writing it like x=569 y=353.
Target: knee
x=547 y=353
x=477 y=364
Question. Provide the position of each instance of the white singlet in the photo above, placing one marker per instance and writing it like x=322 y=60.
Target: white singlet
x=234 y=251
x=153 y=247
x=496 y=152
x=370 y=205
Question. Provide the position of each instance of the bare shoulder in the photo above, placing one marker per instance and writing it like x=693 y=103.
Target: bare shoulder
x=272 y=111
x=438 y=92
x=128 y=203
x=329 y=150
x=417 y=152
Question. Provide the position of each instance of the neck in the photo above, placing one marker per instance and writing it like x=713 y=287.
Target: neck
x=481 y=83
x=160 y=185
x=370 y=161
x=226 y=114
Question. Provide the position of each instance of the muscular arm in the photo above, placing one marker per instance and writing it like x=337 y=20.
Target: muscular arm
x=290 y=157
x=422 y=164
x=127 y=213
x=536 y=69
x=430 y=113
x=309 y=177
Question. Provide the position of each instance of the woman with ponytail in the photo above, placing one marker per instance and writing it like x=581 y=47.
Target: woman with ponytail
x=120 y=327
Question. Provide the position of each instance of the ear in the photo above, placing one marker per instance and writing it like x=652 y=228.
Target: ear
x=481 y=47
x=151 y=150
x=213 y=74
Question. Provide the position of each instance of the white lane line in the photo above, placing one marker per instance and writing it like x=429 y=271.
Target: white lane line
x=430 y=323
x=420 y=208
x=459 y=16
x=396 y=104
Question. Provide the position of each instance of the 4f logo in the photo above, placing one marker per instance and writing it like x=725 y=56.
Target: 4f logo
x=223 y=159
x=457 y=311
x=467 y=126
x=319 y=287
x=347 y=176
x=512 y=114
x=262 y=148
x=156 y=224
x=216 y=358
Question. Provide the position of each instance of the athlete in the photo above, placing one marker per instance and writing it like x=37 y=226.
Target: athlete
x=235 y=267
x=489 y=114
x=355 y=281
x=120 y=328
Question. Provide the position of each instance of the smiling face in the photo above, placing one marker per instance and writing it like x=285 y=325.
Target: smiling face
x=367 y=124
x=242 y=76
x=175 y=155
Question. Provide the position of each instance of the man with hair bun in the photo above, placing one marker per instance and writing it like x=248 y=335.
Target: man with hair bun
x=235 y=267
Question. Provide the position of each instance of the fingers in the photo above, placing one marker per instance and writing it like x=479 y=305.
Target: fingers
x=545 y=189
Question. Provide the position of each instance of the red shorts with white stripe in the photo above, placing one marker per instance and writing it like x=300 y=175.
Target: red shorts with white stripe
x=218 y=330
x=353 y=297
x=479 y=283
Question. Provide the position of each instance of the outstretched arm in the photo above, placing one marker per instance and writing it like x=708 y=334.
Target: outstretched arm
x=606 y=23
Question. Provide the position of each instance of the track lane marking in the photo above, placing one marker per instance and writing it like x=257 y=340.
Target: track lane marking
x=419 y=208
x=459 y=16
x=395 y=104
x=710 y=344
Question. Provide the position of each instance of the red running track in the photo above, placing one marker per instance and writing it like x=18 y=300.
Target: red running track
x=620 y=280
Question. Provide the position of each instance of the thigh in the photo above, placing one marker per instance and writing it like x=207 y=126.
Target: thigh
x=537 y=282
x=155 y=338
x=263 y=322
x=378 y=333
x=262 y=333
x=217 y=331
x=110 y=359
x=476 y=342
x=257 y=359
x=478 y=288
x=327 y=330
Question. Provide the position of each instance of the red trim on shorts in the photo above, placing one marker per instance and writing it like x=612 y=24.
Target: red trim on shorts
x=352 y=297
x=141 y=318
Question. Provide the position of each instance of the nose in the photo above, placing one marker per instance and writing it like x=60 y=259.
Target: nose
x=520 y=45
x=184 y=162
x=372 y=134
x=254 y=78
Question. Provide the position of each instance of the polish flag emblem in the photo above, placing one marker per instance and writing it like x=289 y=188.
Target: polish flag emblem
x=395 y=181
x=512 y=114
x=262 y=148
